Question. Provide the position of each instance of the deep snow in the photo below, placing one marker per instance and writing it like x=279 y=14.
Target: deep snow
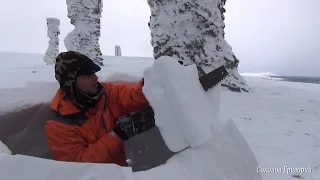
x=279 y=119
x=210 y=151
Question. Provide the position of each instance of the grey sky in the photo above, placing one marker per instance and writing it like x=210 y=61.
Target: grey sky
x=280 y=36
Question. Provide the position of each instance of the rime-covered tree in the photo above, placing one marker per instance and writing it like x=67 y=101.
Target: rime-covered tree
x=52 y=33
x=117 y=51
x=85 y=16
x=192 y=31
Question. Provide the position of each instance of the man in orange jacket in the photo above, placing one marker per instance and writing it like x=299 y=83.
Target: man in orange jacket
x=84 y=126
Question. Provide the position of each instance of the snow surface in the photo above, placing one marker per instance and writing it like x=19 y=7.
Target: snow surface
x=279 y=120
x=174 y=91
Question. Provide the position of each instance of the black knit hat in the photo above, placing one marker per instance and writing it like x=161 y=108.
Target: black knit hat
x=71 y=64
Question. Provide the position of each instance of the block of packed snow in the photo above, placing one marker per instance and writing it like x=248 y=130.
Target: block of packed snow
x=184 y=112
x=227 y=156
x=4 y=149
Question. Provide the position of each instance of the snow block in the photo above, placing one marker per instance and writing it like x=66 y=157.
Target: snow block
x=227 y=156
x=184 y=112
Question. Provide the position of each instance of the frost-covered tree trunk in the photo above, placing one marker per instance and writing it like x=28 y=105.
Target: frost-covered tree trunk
x=192 y=31
x=85 y=16
x=235 y=81
x=52 y=33
x=117 y=51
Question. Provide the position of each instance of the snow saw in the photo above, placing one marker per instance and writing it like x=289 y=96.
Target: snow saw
x=144 y=118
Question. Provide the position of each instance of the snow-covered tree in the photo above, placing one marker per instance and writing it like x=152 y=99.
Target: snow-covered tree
x=52 y=33
x=85 y=16
x=192 y=31
x=117 y=51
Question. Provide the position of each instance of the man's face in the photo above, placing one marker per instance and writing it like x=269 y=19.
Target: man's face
x=87 y=83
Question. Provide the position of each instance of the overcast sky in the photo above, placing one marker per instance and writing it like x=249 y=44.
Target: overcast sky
x=279 y=36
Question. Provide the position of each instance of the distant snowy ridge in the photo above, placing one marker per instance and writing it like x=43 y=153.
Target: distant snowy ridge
x=263 y=75
x=259 y=74
x=275 y=77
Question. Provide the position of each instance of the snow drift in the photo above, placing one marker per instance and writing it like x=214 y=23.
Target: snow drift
x=219 y=153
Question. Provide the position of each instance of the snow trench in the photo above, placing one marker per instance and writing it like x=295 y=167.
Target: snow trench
x=195 y=145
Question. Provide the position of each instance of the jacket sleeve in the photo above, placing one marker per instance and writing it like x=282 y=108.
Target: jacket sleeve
x=130 y=96
x=67 y=145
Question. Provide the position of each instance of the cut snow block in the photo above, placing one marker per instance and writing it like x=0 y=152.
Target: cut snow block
x=226 y=156
x=183 y=110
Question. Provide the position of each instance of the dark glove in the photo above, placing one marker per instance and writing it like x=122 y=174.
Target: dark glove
x=136 y=123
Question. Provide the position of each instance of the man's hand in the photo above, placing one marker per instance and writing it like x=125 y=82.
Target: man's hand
x=135 y=123
x=124 y=128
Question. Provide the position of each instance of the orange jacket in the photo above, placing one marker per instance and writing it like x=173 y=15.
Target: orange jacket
x=88 y=141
